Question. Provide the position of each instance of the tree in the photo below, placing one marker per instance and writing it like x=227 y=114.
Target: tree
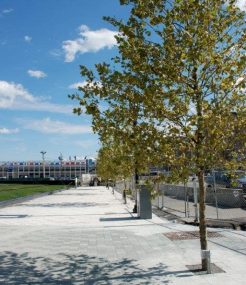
x=180 y=76
x=112 y=163
x=114 y=99
x=193 y=54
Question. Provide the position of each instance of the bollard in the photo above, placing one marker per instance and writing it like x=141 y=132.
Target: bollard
x=206 y=256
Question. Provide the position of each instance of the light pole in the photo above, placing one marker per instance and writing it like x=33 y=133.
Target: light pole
x=60 y=157
x=85 y=164
x=43 y=154
x=75 y=166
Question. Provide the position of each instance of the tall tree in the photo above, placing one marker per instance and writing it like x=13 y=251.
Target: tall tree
x=112 y=163
x=192 y=53
x=181 y=77
x=114 y=99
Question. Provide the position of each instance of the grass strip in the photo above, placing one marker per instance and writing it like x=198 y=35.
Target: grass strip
x=13 y=191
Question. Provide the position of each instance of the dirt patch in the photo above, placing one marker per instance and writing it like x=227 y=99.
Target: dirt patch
x=190 y=235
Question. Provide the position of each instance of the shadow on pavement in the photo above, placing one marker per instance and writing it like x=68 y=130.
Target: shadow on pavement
x=12 y=216
x=63 y=205
x=79 y=269
x=77 y=194
x=118 y=219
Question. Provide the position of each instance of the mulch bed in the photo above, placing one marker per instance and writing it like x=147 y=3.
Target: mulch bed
x=190 y=235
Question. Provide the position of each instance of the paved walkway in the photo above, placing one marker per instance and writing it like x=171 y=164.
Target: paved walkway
x=87 y=236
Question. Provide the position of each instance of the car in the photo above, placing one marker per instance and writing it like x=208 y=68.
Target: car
x=224 y=179
x=242 y=183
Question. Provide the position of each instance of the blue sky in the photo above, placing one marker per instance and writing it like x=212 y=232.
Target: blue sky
x=42 y=44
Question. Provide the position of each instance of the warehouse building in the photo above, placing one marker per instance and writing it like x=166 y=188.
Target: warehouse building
x=47 y=169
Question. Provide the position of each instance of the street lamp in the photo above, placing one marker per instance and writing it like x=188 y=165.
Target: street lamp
x=75 y=166
x=86 y=164
x=60 y=157
x=43 y=158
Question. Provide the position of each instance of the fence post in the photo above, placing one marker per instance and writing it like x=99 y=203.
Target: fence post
x=188 y=205
x=162 y=197
x=215 y=195
x=195 y=198
x=185 y=198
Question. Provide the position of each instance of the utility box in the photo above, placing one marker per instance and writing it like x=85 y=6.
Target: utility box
x=144 y=205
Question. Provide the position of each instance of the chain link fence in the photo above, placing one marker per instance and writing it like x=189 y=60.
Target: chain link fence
x=128 y=185
x=222 y=202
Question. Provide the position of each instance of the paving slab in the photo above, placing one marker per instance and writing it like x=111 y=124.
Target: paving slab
x=88 y=236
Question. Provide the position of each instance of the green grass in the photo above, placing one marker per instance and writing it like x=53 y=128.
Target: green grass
x=12 y=191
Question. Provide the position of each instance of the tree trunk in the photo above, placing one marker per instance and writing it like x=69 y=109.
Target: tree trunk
x=124 y=192
x=136 y=186
x=202 y=220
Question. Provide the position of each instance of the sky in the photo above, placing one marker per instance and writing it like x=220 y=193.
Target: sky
x=42 y=45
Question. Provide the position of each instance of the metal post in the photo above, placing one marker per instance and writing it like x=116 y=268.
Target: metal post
x=70 y=168
x=85 y=164
x=18 y=170
x=215 y=195
x=185 y=198
x=158 y=199
x=60 y=157
x=43 y=158
x=188 y=205
x=158 y=191
x=195 y=199
x=162 y=198
x=75 y=166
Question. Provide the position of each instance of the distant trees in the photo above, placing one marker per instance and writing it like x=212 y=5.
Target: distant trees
x=172 y=93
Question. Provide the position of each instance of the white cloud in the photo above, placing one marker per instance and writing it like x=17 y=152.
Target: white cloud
x=28 y=39
x=49 y=126
x=76 y=85
x=89 y=41
x=7 y=11
x=241 y=4
x=5 y=131
x=15 y=97
x=56 y=52
x=36 y=73
x=85 y=144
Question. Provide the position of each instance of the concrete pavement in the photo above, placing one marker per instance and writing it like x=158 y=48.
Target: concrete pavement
x=87 y=236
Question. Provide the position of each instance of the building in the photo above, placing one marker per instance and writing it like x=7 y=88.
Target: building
x=65 y=169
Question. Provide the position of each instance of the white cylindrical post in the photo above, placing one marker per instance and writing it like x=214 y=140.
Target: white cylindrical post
x=206 y=256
